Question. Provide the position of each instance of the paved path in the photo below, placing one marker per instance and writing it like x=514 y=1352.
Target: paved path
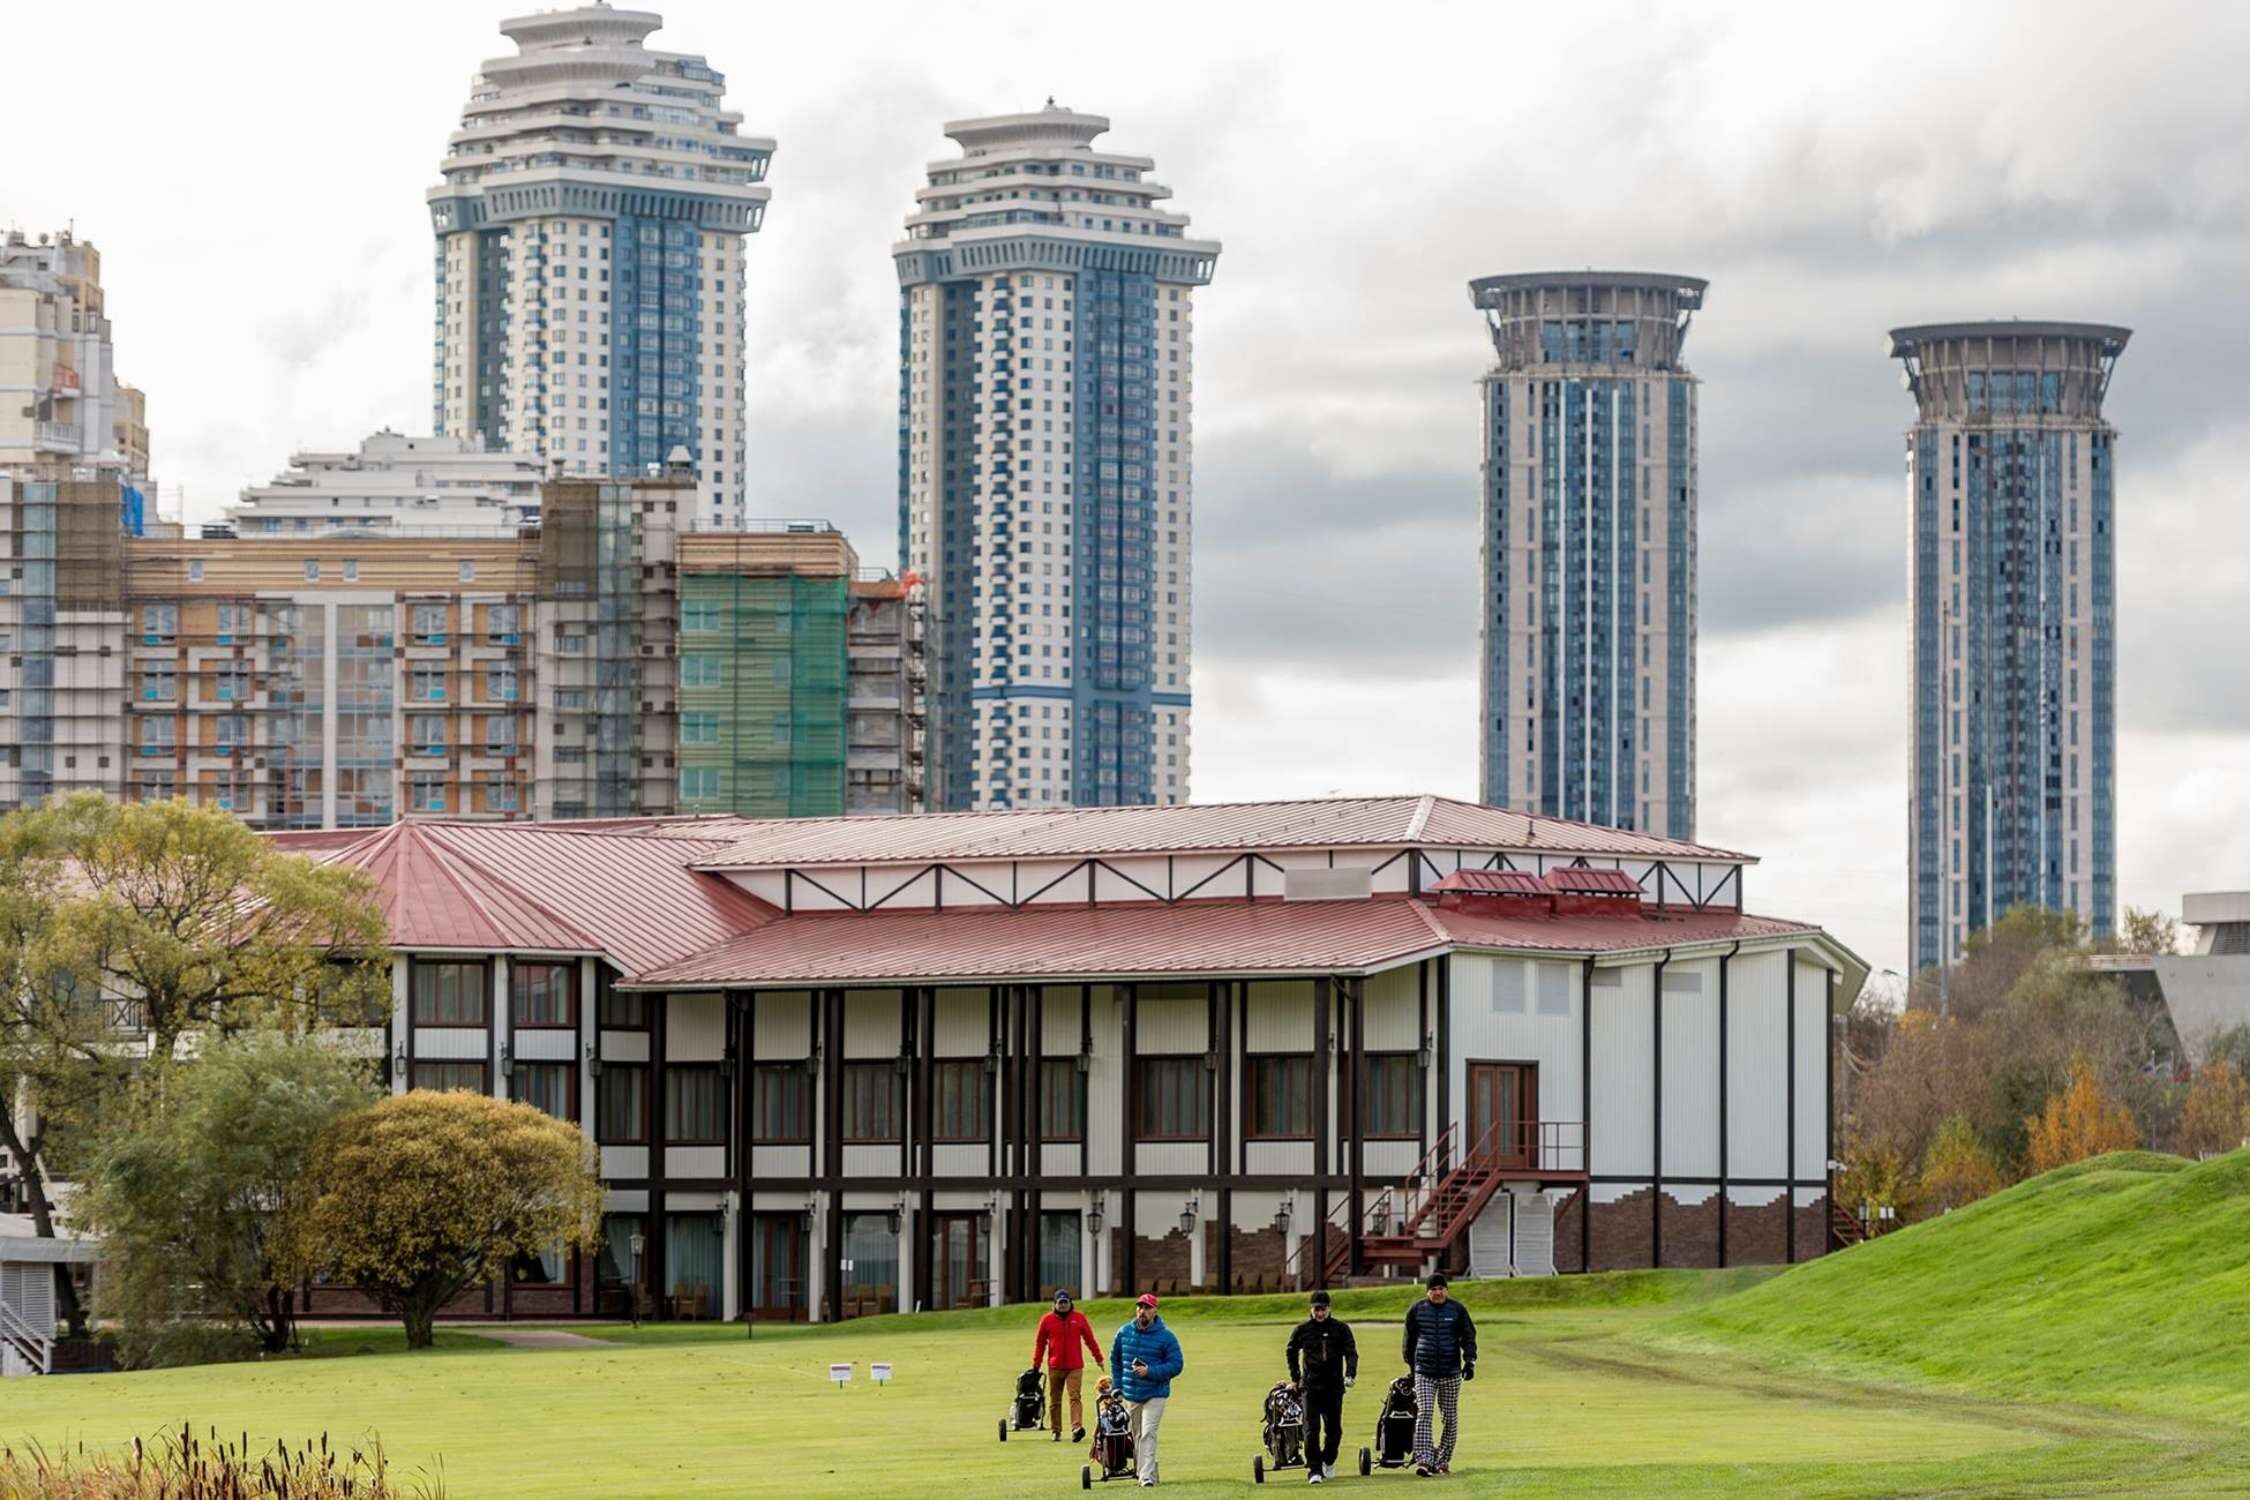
x=541 y=1338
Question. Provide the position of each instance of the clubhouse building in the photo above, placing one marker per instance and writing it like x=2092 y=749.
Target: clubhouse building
x=837 y=1066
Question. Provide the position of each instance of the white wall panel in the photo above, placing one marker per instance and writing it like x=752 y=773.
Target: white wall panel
x=964 y=1023
x=632 y=1046
x=545 y=1044
x=1058 y=1033
x=1757 y=1062
x=783 y=1027
x=1105 y=1083
x=1691 y=1071
x=1394 y=1009
x=1812 y=1072
x=1753 y=1197
x=954 y=1160
x=781 y=1161
x=1171 y=1026
x=1058 y=1159
x=871 y=1023
x=1279 y=1017
x=624 y=1161
x=1624 y=1117
x=1389 y=1161
x=1171 y=1159
x=1207 y=875
x=695 y=1161
x=880 y=1161
x=1265 y=1158
x=1049 y=881
x=695 y=1028
x=450 y=1043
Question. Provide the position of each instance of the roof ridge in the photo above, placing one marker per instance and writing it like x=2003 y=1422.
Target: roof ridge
x=1415 y=825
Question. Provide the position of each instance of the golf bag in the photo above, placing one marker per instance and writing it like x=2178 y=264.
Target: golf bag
x=1394 y=1429
x=1027 y=1412
x=1284 y=1433
x=1113 y=1441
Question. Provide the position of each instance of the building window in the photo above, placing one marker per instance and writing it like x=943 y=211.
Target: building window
x=1394 y=1097
x=351 y=570
x=698 y=782
x=312 y=570
x=1060 y=1236
x=694 y=1105
x=440 y=1076
x=1062 y=1100
x=503 y=624
x=468 y=572
x=545 y=994
x=499 y=795
x=781 y=1104
x=871 y=1103
x=426 y=734
x=871 y=1252
x=548 y=1087
x=619 y=1010
x=1277 y=1097
x=961 y=1089
x=699 y=669
x=621 y=1105
x=159 y=624
x=500 y=684
x=500 y=734
x=699 y=729
x=1171 y=1099
x=426 y=685
x=159 y=684
x=429 y=625
x=449 y=993
x=426 y=794
x=699 y=614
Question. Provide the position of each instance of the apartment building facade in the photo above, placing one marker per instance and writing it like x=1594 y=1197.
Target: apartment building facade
x=1588 y=680
x=429 y=485
x=2012 y=492
x=1046 y=464
x=590 y=238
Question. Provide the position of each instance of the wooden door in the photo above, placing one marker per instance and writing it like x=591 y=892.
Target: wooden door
x=777 y=1266
x=961 y=1262
x=1504 y=1113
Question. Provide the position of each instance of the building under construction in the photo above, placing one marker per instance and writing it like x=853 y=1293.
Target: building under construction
x=602 y=664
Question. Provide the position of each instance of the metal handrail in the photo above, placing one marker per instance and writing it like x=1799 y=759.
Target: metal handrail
x=16 y=1330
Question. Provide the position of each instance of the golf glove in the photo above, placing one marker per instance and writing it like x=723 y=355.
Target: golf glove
x=1468 y=1372
x=1348 y=1379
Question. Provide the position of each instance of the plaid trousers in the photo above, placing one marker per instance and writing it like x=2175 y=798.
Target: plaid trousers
x=1433 y=1394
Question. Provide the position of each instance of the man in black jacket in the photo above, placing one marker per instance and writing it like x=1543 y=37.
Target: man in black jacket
x=1441 y=1350
x=1323 y=1363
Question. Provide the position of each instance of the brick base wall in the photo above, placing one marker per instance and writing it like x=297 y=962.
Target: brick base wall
x=1621 y=1233
x=1812 y=1229
x=1691 y=1232
x=1758 y=1236
x=1161 y=1265
x=1568 y=1233
x=1260 y=1259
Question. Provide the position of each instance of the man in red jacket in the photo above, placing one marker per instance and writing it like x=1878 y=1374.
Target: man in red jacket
x=1063 y=1341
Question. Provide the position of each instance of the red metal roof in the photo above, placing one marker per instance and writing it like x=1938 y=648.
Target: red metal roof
x=1602 y=934
x=1584 y=880
x=1493 y=883
x=534 y=887
x=1425 y=822
x=1195 y=937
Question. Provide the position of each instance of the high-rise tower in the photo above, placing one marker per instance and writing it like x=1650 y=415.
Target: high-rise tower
x=589 y=256
x=2011 y=479
x=1046 y=451
x=1588 y=683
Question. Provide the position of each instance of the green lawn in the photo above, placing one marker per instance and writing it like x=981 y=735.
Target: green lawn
x=1573 y=1396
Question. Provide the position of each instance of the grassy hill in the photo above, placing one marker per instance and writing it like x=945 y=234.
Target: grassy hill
x=2123 y=1281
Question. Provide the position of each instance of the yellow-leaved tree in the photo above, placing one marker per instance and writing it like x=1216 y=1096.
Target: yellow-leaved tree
x=424 y=1196
x=2080 y=1121
x=2216 y=1118
x=1958 y=1170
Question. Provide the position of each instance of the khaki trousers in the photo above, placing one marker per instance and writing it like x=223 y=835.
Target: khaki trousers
x=1056 y=1380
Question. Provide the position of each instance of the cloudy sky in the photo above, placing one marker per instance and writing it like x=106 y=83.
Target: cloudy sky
x=254 y=178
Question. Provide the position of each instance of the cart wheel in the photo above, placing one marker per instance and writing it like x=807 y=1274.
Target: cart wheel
x=1003 y=1429
x=1258 y=1470
x=1085 y=1479
x=1366 y=1462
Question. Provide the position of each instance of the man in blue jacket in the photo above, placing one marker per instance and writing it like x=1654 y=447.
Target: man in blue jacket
x=1441 y=1350
x=1144 y=1357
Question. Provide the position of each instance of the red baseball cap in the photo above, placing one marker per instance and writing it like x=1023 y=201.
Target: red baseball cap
x=1147 y=1299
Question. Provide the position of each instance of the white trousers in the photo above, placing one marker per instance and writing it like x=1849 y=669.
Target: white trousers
x=1143 y=1418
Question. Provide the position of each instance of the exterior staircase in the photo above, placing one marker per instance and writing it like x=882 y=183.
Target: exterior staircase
x=1423 y=1217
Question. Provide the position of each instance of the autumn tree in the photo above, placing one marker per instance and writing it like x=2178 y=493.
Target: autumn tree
x=2216 y=1119
x=1958 y=1169
x=2080 y=1121
x=207 y=925
x=2153 y=932
x=426 y=1195
x=188 y=1191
